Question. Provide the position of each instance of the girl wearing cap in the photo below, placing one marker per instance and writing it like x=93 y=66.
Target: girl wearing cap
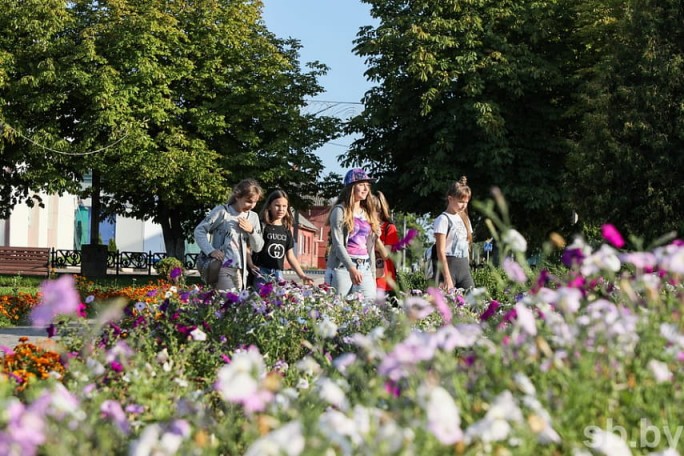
x=353 y=224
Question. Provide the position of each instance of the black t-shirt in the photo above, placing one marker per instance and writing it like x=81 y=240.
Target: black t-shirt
x=277 y=241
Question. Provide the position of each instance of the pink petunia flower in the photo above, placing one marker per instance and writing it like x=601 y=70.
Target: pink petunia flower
x=440 y=304
x=59 y=298
x=612 y=235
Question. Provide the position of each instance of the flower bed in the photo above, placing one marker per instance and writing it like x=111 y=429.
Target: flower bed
x=584 y=360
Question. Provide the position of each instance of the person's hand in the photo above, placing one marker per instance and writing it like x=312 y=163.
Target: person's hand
x=306 y=280
x=356 y=276
x=245 y=225
x=217 y=254
x=448 y=284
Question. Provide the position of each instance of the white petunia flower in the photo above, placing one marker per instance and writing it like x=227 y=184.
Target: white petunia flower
x=198 y=334
x=443 y=417
x=515 y=241
x=287 y=440
x=660 y=371
x=326 y=328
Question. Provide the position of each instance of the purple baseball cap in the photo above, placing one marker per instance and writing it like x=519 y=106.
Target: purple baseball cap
x=356 y=175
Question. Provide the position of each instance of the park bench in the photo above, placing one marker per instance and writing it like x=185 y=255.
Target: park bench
x=25 y=261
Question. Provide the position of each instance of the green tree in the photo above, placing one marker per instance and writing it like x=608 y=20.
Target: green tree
x=468 y=88
x=202 y=94
x=30 y=84
x=627 y=166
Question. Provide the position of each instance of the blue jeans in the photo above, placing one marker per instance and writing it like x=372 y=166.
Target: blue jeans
x=268 y=275
x=342 y=283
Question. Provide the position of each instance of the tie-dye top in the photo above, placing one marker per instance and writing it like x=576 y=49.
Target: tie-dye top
x=357 y=241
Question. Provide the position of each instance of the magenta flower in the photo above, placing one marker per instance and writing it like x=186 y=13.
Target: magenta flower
x=612 y=235
x=393 y=388
x=491 y=310
x=405 y=241
x=59 y=298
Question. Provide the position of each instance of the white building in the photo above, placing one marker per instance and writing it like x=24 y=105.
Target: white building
x=64 y=223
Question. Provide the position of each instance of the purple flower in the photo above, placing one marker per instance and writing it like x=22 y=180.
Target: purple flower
x=112 y=410
x=51 y=330
x=612 y=235
x=116 y=366
x=59 y=298
x=175 y=273
x=572 y=256
x=266 y=289
x=135 y=409
x=542 y=280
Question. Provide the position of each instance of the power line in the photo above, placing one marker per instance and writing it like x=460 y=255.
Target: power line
x=61 y=152
x=335 y=102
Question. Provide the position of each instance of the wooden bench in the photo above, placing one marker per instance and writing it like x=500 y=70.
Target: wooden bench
x=25 y=261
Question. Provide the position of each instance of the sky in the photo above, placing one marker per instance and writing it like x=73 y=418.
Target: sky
x=326 y=30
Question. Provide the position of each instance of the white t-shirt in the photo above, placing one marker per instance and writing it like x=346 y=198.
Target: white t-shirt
x=457 y=240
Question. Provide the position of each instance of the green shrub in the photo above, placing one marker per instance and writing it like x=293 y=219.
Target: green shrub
x=166 y=265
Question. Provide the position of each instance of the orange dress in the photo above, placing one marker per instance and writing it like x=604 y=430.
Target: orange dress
x=390 y=237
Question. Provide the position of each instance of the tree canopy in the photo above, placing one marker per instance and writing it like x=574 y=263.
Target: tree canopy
x=201 y=92
x=551 y=101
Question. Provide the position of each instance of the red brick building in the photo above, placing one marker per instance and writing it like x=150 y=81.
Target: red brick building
x=305 y=237
x=317 y=214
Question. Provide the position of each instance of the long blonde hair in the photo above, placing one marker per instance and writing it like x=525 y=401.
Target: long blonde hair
x=346 y=200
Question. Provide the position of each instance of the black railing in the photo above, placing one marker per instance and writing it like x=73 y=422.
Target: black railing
x=138 y=261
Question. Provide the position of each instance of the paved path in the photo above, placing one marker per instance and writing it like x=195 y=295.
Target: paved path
x=10 y=336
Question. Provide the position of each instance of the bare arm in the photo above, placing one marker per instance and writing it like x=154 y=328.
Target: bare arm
x=292 y=259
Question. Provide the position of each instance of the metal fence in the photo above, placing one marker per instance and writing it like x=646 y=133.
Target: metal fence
x=139 y=262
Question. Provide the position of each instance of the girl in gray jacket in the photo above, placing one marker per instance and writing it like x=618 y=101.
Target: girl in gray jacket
x=226 y=235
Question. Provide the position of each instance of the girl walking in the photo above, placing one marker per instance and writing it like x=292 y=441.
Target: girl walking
x=453 y=235
x=353 y=232
x=234 y=229
x=269 y=263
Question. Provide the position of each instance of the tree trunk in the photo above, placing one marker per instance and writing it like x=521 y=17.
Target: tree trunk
x=174 y=240
x=95 y=209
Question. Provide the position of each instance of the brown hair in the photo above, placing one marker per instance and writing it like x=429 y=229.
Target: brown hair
x=382 y=207
x=459 y=189
x=245 y=188
x=265 y=214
